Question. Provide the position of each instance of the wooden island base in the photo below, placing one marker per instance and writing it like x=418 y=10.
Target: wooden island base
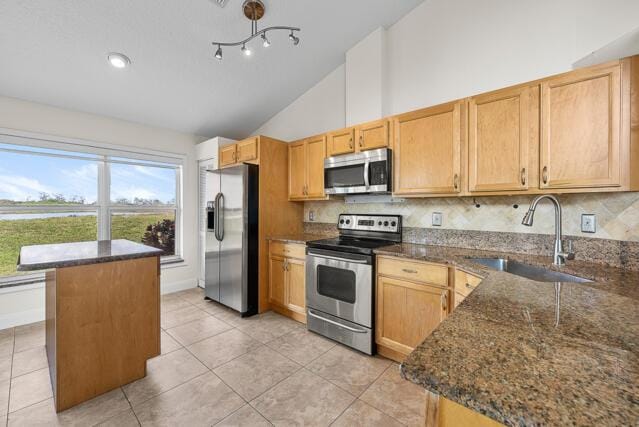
x=102 y=324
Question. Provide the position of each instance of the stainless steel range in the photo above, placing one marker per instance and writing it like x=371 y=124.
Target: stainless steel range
x=340 y=278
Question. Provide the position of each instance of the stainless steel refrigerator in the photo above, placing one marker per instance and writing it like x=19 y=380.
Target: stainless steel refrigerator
x=231 y=249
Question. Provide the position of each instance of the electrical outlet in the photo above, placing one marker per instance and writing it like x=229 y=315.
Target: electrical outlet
x=311 y=216
x=437 y=219
x=588 y=223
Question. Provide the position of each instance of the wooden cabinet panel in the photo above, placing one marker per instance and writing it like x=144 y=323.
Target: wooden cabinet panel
x=297 y=170
x=372 y=135
x=296 y=287
x=407 y=312
x=277 y=280
x=340 y=142
x=410 y=270
x=498 y=140
x=283 y=249
x=427 y=150
x=315 y=154
x=580 y=129
x=227 y=155
x=465 y=283
x=247 y=149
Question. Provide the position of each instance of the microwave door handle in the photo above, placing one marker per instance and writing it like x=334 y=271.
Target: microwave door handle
x=366 y=173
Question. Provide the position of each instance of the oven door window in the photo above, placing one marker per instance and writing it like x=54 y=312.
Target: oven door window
x=336 y=283
x=344 y=176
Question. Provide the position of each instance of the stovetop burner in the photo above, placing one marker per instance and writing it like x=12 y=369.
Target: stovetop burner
x=363 y=233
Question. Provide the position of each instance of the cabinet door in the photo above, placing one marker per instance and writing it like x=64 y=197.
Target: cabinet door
x=297 y=170
x=580 y=127
x=277 y=280
x=227 y=155
x=407 y=312
x=498 y=141
x=247 y=149
x=295 y=284
x=341 y=142
x=372 y=135
x=428 y=150
x=315 y=154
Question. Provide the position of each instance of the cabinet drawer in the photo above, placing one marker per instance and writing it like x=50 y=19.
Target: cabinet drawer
x=416 y=271
x=292 y=250
x=465 y=283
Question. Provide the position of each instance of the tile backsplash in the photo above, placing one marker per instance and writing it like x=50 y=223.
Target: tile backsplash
x=617 y=213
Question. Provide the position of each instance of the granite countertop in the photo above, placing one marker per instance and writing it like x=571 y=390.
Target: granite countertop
x=532 y=353
x=40 y=257
x=300 y=238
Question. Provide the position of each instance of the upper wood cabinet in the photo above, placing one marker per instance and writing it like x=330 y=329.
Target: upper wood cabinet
x=246 y=150
x=372 y=135
x=340 y=142
x=227 y=155
x=306 y=168
x=427 y=150
x=580 y=128
x=502 y=140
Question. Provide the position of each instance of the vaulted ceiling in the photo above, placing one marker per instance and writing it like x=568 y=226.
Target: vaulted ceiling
x=54 y=52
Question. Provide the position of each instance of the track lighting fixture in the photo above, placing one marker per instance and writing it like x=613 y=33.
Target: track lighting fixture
x=254 y=10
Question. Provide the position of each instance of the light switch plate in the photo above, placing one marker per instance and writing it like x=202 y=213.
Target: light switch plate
x=437 y=219
x=588 y=223
x=311 y=216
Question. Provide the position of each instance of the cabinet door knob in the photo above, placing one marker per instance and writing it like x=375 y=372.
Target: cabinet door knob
x=361 y=141
x=350 y=143
x=468 y=285
x=444 y=302
x=456 y=181
x=544 y=175
x=523 y=176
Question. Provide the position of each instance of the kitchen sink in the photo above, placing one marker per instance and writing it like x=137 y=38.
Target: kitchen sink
x=532 y=272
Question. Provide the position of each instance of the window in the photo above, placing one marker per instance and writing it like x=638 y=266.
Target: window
x=55 y=192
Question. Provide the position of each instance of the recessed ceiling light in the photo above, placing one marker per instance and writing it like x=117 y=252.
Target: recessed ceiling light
x=118 y=60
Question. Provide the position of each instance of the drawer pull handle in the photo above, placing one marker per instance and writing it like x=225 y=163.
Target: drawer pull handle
x=544 y=175
x=408 y=270
x=444 y=302
x=469 y=286
x=523 y=176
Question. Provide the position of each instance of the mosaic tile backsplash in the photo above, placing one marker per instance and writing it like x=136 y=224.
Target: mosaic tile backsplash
x=617 y=214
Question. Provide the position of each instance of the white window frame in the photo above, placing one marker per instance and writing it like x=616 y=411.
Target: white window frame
x=103 y=207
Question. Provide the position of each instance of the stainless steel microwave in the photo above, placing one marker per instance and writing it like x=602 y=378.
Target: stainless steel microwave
x=359 y=173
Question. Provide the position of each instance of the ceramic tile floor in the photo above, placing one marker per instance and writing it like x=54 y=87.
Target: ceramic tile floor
x=219 y=369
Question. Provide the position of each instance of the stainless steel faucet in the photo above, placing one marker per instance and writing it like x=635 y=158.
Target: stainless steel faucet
x=559 y=256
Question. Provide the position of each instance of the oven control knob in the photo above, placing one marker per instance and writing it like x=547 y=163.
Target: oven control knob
x=348 y=221
x=379 y=223
x=341 y=221
x=385 y=223
x=393 y=224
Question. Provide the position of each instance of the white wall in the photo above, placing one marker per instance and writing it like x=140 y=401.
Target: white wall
x=320 y=109
x=365 y=79
x=448 y=49
x=21 y=305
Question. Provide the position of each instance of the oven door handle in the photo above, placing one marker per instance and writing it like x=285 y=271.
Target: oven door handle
x=332 y=322
x=335 y=258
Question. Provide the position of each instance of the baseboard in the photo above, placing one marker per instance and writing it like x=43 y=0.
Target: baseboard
x=19 y=318
x=180 y=285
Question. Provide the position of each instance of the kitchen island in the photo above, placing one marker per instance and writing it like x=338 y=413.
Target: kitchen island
x=102 y=314
x=522 y=352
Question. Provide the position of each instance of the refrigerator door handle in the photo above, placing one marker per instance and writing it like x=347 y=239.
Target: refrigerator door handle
x=216 y=217
x=220 y=218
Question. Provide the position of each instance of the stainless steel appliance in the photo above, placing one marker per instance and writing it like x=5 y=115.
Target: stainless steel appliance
x=231 y=254
x=340 y=278
x=360 y=173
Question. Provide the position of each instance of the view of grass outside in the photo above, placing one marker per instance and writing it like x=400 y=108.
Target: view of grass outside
x=15 y=233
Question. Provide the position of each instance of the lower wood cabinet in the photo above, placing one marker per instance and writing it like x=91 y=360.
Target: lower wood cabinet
x=287 y=287
x=465 y=283
x=408 y=308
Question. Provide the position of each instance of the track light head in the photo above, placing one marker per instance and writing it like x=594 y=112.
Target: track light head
x=265 y=41
x=246 y=50
x=218 y=52
x=295 y=40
